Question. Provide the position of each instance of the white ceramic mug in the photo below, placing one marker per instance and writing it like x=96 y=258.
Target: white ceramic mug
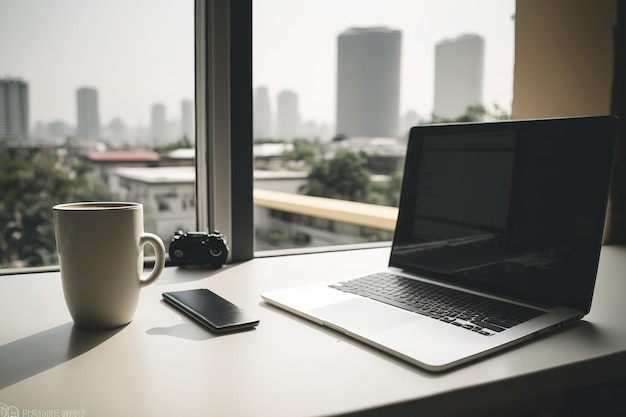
x=100 y=248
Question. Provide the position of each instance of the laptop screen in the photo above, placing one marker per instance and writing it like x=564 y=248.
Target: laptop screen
x=514 y=208
x=452 y=170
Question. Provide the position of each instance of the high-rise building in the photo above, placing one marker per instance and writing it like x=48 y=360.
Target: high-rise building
x=187 y=120
x=14 y=109
x=88 y=126
x=288 y=121
x=458 y=75
x=262 y=114
x=368 y=82
x=158 y=124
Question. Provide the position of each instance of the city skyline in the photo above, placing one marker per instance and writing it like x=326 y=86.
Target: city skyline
x=135 y=53
x=88 y=126
x=139 y=53
x=306 y=60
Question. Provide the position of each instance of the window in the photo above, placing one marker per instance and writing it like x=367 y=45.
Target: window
x=100 y=98
x=219 y=190
x=337 y=85
x=135 y=111
x=224 y=122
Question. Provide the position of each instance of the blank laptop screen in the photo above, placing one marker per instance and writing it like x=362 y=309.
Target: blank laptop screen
x=452 y=171
x=514 y=208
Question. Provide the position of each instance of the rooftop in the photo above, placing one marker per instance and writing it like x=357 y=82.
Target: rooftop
x=160 y=175
x=187 y=174
x=182 y=153
x=123 y=156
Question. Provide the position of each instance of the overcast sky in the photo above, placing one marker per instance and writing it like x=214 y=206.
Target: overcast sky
x=140 y=52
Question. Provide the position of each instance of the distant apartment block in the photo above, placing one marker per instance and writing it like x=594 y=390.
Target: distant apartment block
x=88 y=116
x=262 y=114
x=158 y=124
x=14 y=109
x=368 y=82
x=458 y=75
x=187 y=121
x=385 y=155
x=168 y=195
x=288 y=120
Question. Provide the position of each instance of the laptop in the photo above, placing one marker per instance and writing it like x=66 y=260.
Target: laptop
x=497 y=241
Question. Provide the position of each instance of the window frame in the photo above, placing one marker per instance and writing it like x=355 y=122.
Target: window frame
x=224 y=133
x=224 y=159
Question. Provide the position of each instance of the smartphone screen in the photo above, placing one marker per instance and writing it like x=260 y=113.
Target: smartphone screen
x=210 y=310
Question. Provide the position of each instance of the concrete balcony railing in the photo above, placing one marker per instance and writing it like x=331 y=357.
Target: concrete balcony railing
x=351 y=212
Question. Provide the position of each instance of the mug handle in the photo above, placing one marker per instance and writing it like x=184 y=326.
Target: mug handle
x=159 y=249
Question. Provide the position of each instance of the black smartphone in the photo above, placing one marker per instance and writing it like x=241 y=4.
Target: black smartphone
x=210 y=310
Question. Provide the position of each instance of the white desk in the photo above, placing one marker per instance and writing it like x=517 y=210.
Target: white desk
x=162 y=364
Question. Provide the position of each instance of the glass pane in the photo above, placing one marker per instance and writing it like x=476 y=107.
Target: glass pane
x=338 y=84
x=96 y=103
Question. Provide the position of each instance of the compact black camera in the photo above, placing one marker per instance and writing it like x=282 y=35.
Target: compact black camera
x=198 y=248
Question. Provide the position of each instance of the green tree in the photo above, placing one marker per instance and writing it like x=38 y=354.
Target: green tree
x=182 y=143
x=303 y=150
x=387 y=194
x=476 y=113
x=346 y=176
x=29 y=187
x=340 y=137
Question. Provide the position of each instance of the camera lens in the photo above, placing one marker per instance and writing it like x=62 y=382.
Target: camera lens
x=215 y=252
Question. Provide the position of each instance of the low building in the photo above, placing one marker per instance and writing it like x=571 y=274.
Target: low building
x=283 y=218
x=104 y=162
x=384 y=155
x=167 y=193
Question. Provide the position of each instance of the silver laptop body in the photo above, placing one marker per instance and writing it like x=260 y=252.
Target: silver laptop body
x=511 y=211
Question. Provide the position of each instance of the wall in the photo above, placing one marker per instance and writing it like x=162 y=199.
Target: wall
x=563 y=57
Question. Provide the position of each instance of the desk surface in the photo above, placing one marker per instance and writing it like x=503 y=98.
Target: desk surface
x=162 y=364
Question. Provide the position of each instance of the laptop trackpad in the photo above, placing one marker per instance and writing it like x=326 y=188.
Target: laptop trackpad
x=360 y=316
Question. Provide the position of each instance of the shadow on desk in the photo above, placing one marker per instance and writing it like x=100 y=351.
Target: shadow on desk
x=189 y=273
x=31 y=355
x=186 y=330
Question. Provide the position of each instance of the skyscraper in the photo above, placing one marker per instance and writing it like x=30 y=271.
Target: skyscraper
x=88 y=126
x=458 y=75
x=187 y=120
x=158 y=124
x=288 y=121
x=14 y=110
x=368 y=82
x=262 y=114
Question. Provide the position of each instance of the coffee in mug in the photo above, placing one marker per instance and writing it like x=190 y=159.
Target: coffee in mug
x=100 y=247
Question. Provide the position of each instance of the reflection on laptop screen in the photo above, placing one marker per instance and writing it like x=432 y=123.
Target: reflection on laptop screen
x=465 y=185
x=514 y=208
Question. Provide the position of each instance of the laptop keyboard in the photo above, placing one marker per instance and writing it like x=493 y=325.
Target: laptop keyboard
x=478 y=314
